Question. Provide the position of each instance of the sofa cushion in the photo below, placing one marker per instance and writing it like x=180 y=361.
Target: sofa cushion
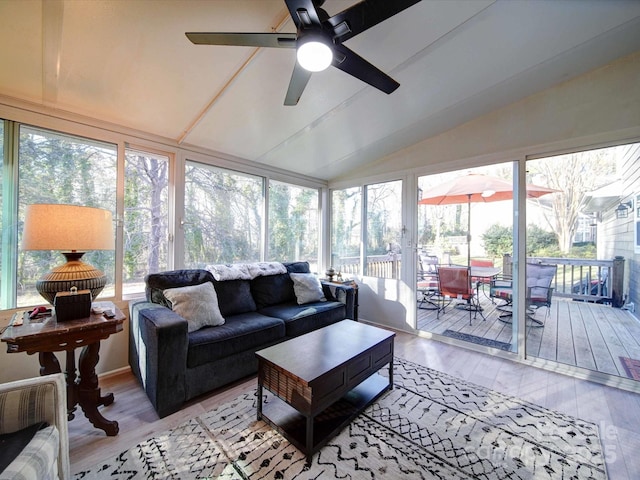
x=197 y=304
x=272 y=290
x=246 y=331
x=300 y=319
x=234 y=297
x=156 y=283
x=307 y=288
x=39 y=458
x=12 y=444
x=297 y=267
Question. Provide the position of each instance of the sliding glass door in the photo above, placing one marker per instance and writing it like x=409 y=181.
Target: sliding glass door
x=587 y=234
x=465 y=223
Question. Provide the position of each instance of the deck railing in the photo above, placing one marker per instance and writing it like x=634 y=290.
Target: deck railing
x=587 y=280
x=381 y=266
x=579 y=279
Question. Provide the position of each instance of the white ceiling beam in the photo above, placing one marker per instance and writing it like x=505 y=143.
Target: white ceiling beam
x=52 y=19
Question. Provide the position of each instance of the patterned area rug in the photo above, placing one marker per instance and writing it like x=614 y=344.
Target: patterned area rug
x=632 y=367
x=430 y=426
x=478 y=340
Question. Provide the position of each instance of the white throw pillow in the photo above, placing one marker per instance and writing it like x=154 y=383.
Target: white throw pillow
x=197 y=304
x=307 y=288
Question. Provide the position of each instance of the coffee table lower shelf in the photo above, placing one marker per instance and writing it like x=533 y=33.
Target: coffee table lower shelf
x=293 y=425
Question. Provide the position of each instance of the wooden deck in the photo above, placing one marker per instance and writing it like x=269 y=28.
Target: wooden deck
x=580 y=334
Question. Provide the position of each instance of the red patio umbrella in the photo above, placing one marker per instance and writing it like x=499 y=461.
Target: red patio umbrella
x=475 y=187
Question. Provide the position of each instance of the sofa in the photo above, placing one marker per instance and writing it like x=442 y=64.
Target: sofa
x=258 y=305
x=34 y=439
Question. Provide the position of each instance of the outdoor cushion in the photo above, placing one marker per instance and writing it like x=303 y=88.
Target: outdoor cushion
x=240 y=333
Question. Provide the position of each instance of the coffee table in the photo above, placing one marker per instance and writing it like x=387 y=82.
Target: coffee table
x=322 y=380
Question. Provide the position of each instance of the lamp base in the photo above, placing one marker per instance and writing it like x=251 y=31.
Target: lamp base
x=74 y=273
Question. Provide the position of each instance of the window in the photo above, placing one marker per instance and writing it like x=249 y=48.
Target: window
x=346 y=228
x=58 y=168
x=223 y=214
x=383 y=252
x=382 y=236
x=146 y=210
x=293 y=223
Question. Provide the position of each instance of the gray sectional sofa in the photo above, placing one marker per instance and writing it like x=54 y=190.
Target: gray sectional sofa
x=174 y=365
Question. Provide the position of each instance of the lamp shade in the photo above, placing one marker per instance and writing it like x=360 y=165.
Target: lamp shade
x=67 y=228
x=73 y=230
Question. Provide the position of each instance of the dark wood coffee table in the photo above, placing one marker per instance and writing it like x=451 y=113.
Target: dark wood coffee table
x=323 y=380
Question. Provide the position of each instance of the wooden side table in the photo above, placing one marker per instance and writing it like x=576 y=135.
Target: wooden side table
x=45 y=336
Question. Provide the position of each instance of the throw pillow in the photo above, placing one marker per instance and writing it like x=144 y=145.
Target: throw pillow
x=197 y=304
x=307 y=288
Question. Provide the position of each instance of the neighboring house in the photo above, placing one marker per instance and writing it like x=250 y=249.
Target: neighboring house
x=619 y=236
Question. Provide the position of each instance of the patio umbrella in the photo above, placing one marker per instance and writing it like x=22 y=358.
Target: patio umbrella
x=475 y=187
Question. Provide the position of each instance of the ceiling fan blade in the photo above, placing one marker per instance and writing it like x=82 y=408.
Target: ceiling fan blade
x=299 y=79
x=364 y=15
x=350 y=62
x=303 y=13
x=276 y=40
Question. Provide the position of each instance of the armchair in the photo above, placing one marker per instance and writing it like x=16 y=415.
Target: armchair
x=24 y=403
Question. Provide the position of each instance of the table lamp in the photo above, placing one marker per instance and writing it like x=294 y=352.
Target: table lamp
x=73 y=230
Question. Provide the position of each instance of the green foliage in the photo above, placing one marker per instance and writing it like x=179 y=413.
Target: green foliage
x=539 y=240
x=498 y=240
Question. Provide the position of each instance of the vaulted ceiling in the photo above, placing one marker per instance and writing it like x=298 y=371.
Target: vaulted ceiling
x=129 y=63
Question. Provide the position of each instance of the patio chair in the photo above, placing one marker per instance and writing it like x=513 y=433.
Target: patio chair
x=481 y=281
x=481 y=263
x=427 y=265
x=539 y=289
x=455 y=283
x=539 y=292
x=427 y=286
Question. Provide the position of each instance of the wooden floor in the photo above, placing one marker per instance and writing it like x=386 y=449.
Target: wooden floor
x=579 y=334
x=617 y=412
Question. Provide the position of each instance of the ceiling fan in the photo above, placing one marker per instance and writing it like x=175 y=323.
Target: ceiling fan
x=318 y=41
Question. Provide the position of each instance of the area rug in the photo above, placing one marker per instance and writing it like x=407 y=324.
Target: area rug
x=632 y=367
x=430 y=426
x=477 y=340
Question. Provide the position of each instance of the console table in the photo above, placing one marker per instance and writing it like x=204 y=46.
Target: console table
x=45 y=336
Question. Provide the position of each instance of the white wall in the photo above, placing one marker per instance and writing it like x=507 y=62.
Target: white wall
x=603 y=105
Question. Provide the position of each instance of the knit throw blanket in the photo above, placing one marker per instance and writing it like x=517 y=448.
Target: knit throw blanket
x=245 y=271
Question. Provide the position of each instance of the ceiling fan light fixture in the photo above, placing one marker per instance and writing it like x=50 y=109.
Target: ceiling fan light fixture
x=313 y=54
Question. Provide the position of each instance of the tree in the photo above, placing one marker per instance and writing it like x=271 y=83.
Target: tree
x=573 y=175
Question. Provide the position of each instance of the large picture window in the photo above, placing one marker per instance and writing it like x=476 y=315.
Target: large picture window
x=223 y=213
x=293 y=223
x=381 y=239
x=146 y=210
x=57 y=168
